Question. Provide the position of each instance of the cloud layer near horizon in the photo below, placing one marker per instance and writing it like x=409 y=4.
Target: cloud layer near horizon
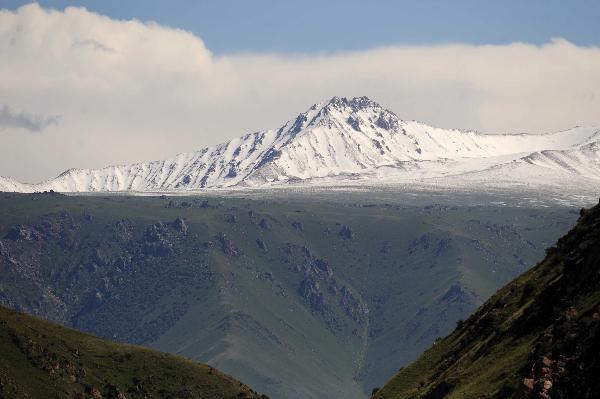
x=129 y=91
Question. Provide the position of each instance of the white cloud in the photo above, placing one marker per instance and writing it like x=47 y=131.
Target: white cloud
x=130 y=91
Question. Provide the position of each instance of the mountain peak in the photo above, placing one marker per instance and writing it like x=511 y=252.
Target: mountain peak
x=336 y=139
x=336 y=107
x=355 y=103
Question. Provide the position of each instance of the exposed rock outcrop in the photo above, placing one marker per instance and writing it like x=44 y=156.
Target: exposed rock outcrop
x=227 y=245
x=346 y=233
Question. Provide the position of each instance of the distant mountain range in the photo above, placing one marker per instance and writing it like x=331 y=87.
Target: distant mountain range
x=342 y=141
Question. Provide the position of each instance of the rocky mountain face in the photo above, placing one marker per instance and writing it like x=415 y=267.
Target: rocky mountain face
x=298 y=297
x=344 y=140
x=538 y=337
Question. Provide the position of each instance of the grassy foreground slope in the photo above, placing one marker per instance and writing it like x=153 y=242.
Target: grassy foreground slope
x=537 y=337
x=39 y=359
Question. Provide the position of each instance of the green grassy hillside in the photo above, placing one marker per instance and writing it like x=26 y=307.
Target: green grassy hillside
x=297 y=297
x=39 y=359
x=538 y=337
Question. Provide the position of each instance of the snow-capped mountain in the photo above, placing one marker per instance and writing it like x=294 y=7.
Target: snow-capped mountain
x=11 y=185
x=344 y=140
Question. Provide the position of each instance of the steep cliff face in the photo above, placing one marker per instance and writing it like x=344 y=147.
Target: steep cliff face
x=538 y=337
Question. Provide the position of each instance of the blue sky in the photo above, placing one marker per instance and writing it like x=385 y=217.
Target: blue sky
x=309 y=26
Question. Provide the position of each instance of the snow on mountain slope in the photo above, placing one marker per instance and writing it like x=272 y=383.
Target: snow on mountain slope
x=583 y=161
x=10 y=185
x=339 y=139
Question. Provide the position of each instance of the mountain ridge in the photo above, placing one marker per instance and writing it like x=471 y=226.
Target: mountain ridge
x=331 y=140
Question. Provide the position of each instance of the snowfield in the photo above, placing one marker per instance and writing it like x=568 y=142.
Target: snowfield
x=356 y=141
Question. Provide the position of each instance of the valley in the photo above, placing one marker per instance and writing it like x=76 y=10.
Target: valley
x=537 y=337
x=314 y=294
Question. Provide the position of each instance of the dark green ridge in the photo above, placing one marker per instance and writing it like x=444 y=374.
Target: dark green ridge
x=538 y=337
x=40 y=359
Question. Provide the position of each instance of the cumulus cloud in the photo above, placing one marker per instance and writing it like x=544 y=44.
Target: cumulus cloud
x=24 y=120
x=131 y=91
